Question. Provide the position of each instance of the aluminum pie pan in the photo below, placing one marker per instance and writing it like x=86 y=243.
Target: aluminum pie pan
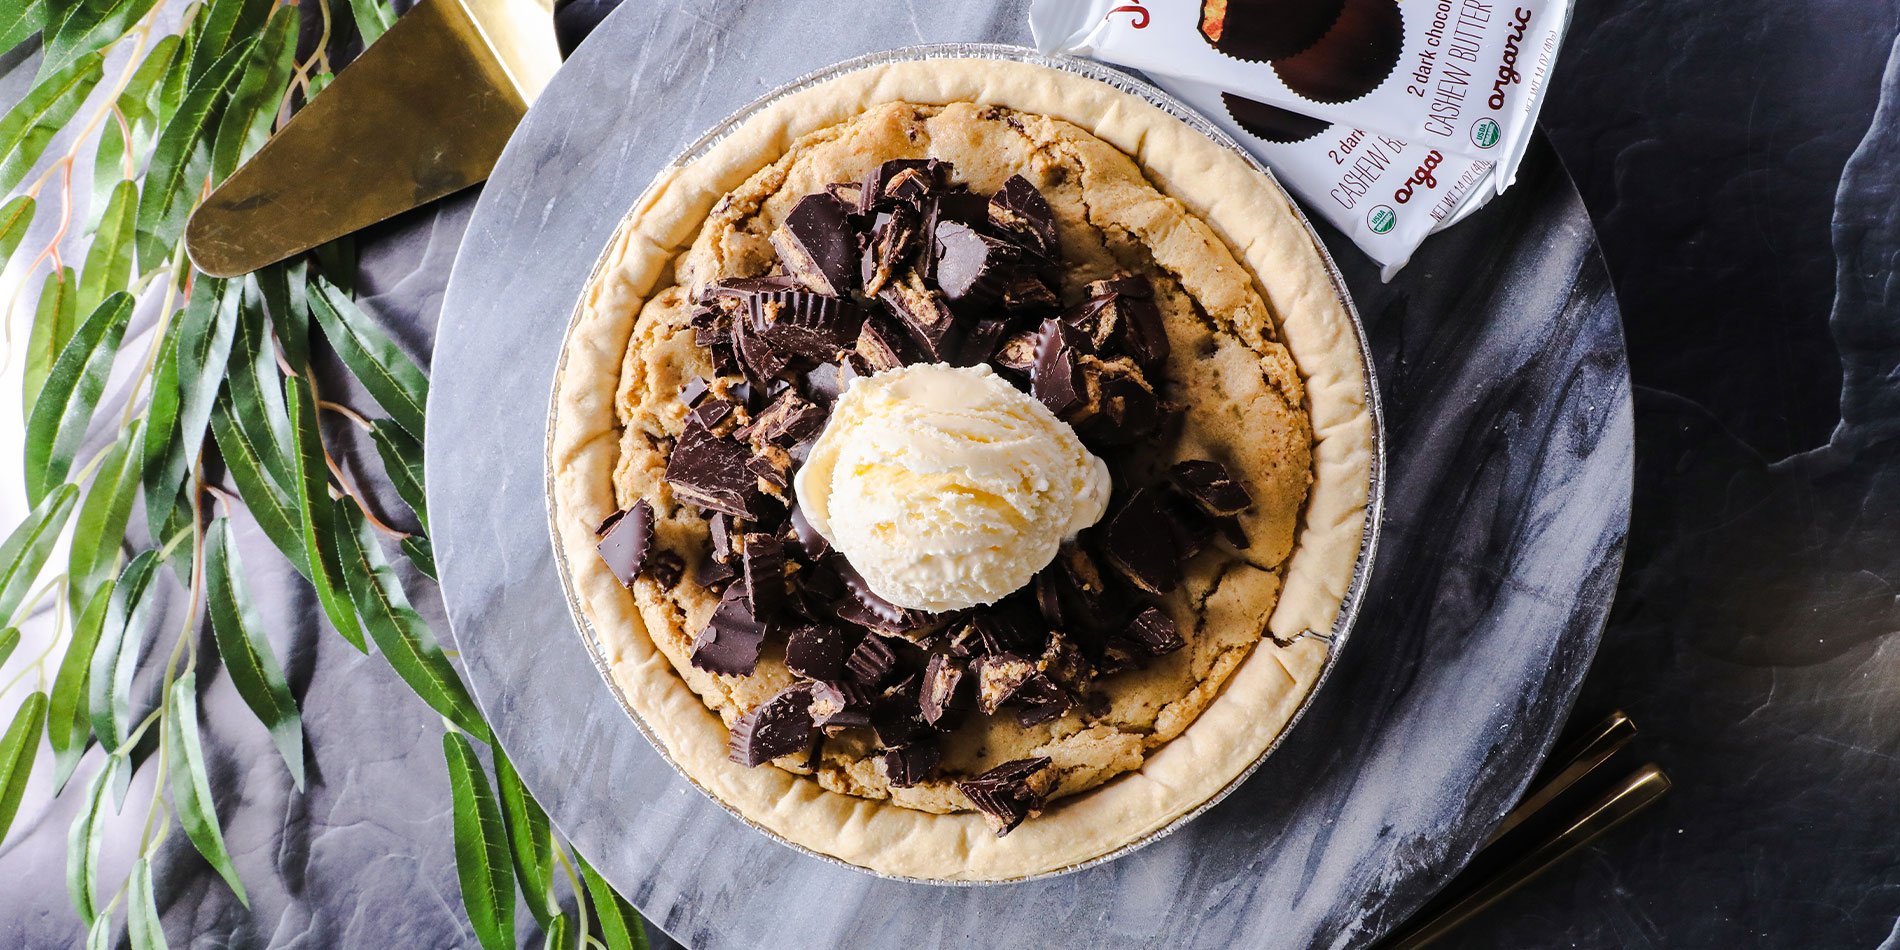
x=1350 y=603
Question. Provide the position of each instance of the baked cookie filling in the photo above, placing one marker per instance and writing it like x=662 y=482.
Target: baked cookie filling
x=805 y=490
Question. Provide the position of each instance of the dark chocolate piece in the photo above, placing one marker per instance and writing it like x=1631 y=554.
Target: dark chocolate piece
x=1017 y=352
x=694 y=390
x=757 y=356
x=852 y=366
x=881 y=183
x=740 y=288
x=1010 y=792
x=1139 y=330
x=666 y=568
x=789 y=420
x=725 y=535
x=729 y=643
x=883 y=614
x=892 y=242
x=626 y=537
x=1262 y=30
x=778 y=727
x=1155 y=632
x=804 y=325
x=762 y=562
x=816 y=244
x=1049 y=598
x=972 y=268
x=1098 y=320
x=910 y=764
x=1020 y=213
x=925 y=313
x=839 y=706
x=883 y=346
x=980 y=342
x=963 y=207
x=821 y=384
x=1056 y=377
x=713 y=413
x=1272 y=123
x=895 y=716
x=1139 y=542
x=1063 y=663
x=1352 y=59
x=809 y=540
x=998 y=679
x=715 y=575
x=1208 y=485
x=871 y=661
x=940 y=695
x=1118 y=406
x=710 y=472
x=816 y=651
x=1026 y=293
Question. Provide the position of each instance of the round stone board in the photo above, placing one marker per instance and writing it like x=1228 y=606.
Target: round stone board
x=1508 y=442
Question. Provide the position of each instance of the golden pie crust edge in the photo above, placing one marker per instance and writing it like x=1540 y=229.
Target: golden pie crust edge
x=1246 y=210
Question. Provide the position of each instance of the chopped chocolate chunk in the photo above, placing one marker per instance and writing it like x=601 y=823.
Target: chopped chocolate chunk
x=852 y=366
x=1007 y=627
x=1117 y=407
x=1057 y=378
x=1065 y=665
x=1018 y=352
x=1207 y=484
x=821 y=383
x=924 y=313
x=1193 y=528
x=740 y=288
x=963 y=207
x=789 y=420
x=999 y=677
x=809 y=540
x=1087 y=601
x=1010 y=792
x=715 y=575
x=910 y=764
x=891 y=243
x=694 y=390
x=1097 y=705
x=805 y=325
x=878 y=613
x=1040 y=712
x=625 y=539
x=713 y=413
x=871 y=661
x=666 y=568
x=980 y=343
x=883 y=346
x=1119 y=654
x=839 y=706
x=1139 y=542
x=762 y=562
x=940 y=695
x=816 y=651
x=725 y=531
x=1097 y=319
x=773 y=466
x=1230 y=529
x=970 y=267
x=1049 y=598
x=778 y=727
x=710 y=471
x=712 y=326
x=1026 y=293
x=1140 y=331
x=880 y=186
x=729 y=643
x=1019 y=212
x=758 y=357
x=816 y=244
x=1155 y=632
x=895 y=715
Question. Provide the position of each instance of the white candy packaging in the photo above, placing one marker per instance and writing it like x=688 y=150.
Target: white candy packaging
x=1461 y=77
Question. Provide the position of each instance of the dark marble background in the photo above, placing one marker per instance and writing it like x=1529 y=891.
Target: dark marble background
x=1742 y=162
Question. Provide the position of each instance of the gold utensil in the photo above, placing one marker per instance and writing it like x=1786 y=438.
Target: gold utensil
x=424 y=112
x=1580 y=757
x=1638 y=791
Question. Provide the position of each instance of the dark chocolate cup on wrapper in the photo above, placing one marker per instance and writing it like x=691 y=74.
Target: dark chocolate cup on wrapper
x=1353 y=58
x=1262 y=30
x=1272 y=123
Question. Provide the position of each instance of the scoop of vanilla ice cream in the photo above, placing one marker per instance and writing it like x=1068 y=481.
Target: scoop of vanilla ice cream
x=946 y=487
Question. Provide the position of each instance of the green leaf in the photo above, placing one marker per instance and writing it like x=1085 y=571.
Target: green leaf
x=82 y=843
x=315 y=517
x=9 y=641
x=252 y=109
x=15 y=217
x=619 y=922
x=275 y=511
x=391 y=377
x=204 y=350
x=257 y=389
x=141 y=910
x=336 y=260
x=285 y=288
x=246 y=653
x=109 y=262
x=63 y=411
x=103 y=516
x=530 y=837
x=25 y=131
x=402 y=459
x=53 y=323
x=115 y=657
x=372 y=19
x=20 y=19
x=481 y=847
x=398 y=630
x=557 y=938
x=135 y=138
x=18 y=748
x=164 y=467
x=223 y=25
x=420 y=553
x=99 y=935
x=93 y=24
x=181 y=162
x=68 y=720
x=191 y=787
x=25 y=550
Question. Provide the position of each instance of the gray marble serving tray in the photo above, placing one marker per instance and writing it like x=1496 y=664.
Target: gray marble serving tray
x=1509 y=448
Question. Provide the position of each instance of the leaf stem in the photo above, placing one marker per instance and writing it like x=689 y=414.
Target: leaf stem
x=346 y=412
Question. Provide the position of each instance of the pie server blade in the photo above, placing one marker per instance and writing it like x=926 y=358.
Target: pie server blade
x=424 y=112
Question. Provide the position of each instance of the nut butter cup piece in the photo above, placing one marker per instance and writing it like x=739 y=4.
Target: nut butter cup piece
x=1262 y=30
x=1272 y=123
x=1353 y=58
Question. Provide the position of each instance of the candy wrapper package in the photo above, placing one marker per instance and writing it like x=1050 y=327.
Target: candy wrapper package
x=1383 y=192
